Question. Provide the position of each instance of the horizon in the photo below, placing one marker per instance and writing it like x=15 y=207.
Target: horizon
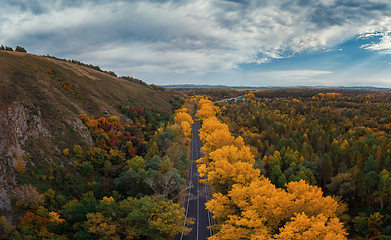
x=232 y=43
x=270 y=87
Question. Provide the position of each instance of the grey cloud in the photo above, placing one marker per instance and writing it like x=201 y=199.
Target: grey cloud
x=366 y=5
x=346 y=11
x=42 y=6
x=323 y=17
x=37 y=7
x=304 y=3
x=190 y=36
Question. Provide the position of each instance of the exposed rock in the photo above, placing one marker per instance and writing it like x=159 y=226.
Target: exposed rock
x=17 y=124
x=79 y=127
x=5 y=201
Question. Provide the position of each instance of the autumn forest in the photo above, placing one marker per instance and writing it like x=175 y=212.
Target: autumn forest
x=281 y=164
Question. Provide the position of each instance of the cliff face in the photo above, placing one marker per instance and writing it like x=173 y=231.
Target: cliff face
x=40 y=100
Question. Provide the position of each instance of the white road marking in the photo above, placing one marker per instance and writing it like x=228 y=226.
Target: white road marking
x=188 y=197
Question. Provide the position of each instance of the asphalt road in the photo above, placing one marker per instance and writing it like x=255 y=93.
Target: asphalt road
x=196 y=197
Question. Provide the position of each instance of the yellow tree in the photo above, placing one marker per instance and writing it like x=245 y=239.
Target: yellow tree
x=102 y=226
x=183 y=117
x=202 y=102
x=216 y=140
x=186 y=132
x=262 y=211
x=303 y=227
x=229 y=165
x=210 y=125
x=205 y=112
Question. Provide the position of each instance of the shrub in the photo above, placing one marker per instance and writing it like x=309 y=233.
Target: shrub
x=87 y=168
x=20 y=49
x=67 y=86
x=20 y=168
x=27 y=196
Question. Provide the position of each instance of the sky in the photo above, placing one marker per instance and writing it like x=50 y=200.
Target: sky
x=260 y=43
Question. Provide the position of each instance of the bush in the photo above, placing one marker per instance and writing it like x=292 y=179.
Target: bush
x=27 y=196
x=67 y=86
x=20 y=49
x=87 y=168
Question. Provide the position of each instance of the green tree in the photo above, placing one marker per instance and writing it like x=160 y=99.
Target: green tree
x=132 y=182
x=277 y=177
x=326 y=169
x=154 y=218
x=384 y=186
x=370 y=165
x=369 y=185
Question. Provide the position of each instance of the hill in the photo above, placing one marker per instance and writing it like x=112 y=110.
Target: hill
x=40 y=101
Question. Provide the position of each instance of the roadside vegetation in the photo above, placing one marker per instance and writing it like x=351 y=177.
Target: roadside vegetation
x=89 y=155
x=125 y=187
x=337 y=141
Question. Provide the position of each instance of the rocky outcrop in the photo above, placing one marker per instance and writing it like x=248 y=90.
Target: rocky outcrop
x=19 y=123
x=79 y=127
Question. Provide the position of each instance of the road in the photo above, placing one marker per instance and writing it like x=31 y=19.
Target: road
x=196 y=197
x=231 y=99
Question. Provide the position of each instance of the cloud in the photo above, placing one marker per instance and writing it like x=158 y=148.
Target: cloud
x=294 y=74
x=195 y=37
x=383 y=45
x=303 y=77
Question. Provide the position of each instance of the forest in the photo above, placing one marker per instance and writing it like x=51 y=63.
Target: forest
x=128 y=186
x=282 y=164
x=336 y=141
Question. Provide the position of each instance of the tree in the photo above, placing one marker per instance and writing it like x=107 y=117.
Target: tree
x=169 y=183
x=370 y=165
x=216 y=140
x=102 y=226
x=20 y=168
x=277 y=177
x=132 y=182
x=145 y=218
x=152 y=151
x=303 y=227
x=76 y=210
x=42 y=223
x=182 y=116
x=5 y=228
x=229 y=165
x=369 y=185
x=27 y=196
x=210 y=125
x=20 y=49
x=154 y=218
x=384 y=186
x=261 y=211
x=205 y=112
x=326 y=168
x=342 y=184
x=176 y=154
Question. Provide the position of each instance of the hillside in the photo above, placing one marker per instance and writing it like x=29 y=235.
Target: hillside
x=40 y=101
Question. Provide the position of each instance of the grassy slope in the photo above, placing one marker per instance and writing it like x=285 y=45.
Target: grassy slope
x=24 y=79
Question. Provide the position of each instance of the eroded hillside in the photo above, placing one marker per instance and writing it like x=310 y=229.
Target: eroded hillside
x=40 y=101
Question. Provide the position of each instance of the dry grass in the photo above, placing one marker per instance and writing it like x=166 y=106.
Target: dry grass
x=26 y=79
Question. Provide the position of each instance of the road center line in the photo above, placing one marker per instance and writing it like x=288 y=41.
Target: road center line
x=198 y=198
